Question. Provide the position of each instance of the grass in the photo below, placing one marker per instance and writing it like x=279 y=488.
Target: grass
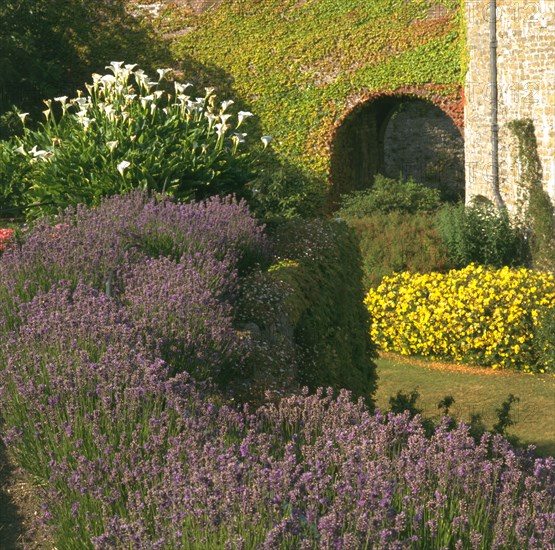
x=475 y=390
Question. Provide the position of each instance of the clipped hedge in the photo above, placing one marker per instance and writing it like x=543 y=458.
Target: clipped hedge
x=478 y=315
x=312 y=297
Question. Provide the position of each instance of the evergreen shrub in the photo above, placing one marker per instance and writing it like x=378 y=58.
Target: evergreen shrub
x=389 y=195
x=481 y=233
x=396 y=242
x=318 y=275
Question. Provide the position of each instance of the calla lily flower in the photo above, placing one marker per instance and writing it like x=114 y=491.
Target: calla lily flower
x=39 y=153
x=122 y=166
x=21 y=151
x=145 y=100
x=108 y=79
x=180 y=88
x=242 y=115
x=115 y=65
x=266 y=140
x=22 y=117
x=221 y=128
x=112 y=145
x=62 y=99
x=226 y=104
x=163 y=72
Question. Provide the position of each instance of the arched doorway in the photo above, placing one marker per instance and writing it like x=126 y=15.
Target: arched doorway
x=398 y=136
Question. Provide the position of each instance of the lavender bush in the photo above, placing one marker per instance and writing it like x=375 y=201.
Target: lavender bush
x=108 y=320
x=98 y=246
x=135 y=458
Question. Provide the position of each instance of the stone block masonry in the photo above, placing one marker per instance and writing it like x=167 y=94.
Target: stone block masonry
x=526 y=89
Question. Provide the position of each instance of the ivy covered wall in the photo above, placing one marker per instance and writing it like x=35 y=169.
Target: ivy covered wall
x=303 y=66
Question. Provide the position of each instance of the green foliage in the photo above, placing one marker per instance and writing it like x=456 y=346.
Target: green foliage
x=303 y=75
x=127 y=132
x=389 y=195
x=281 y=193
x=396 y=242
x=544 y=340
x=480 y=233
x=538 y=209
x=315 y=288
x=49 y=47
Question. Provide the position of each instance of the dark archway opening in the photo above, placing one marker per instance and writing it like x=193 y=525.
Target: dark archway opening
x=399 y=137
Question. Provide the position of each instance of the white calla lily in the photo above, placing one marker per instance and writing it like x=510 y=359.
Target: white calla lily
x=242 y=115
x=180 y=88
x=122 y=166
x=146 y=99
x=163 y=72
x=226 y=104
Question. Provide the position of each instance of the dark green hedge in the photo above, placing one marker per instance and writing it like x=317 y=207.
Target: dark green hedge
x=320 y=260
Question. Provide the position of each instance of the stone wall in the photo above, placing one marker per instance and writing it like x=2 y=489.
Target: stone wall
x=526 y=89
x=422 y=142
x=415 y=131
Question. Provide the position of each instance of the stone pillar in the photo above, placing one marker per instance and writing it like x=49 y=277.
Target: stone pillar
x=526 y=89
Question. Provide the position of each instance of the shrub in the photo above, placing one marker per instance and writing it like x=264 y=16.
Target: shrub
x=477 y=315
x=97 y=245
x=283 y=193
x=175 y=268
x=396 y=242
x=129 y=132
x=480 y=233
x=129 y=458
x=389 y=195
x=313 y=290
x=128 y=452
x=544 y=339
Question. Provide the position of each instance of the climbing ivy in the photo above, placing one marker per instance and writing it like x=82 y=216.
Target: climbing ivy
x=299 y=63
x=538 y=209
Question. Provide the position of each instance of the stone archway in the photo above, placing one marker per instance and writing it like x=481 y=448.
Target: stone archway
x=406 y=134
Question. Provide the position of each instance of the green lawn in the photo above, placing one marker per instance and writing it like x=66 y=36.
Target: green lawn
x=475 y=390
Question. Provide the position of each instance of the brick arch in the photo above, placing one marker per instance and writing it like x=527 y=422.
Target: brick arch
x=362 y=136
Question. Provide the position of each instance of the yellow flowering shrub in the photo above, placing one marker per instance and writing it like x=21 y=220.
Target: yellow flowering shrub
x=476 y=315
